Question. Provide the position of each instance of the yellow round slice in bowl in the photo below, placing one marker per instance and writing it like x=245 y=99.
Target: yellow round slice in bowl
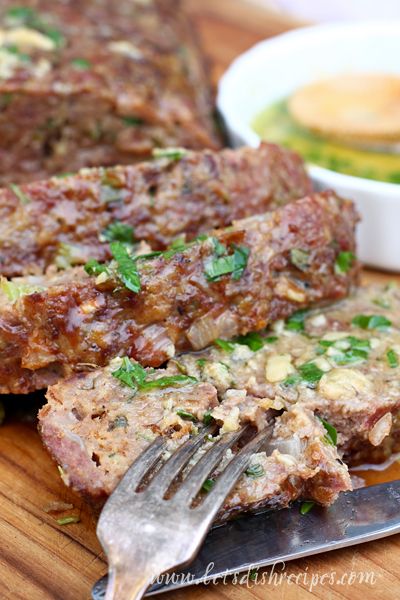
x=357 y=108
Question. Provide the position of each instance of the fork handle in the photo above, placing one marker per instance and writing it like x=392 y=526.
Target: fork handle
x=126 y=584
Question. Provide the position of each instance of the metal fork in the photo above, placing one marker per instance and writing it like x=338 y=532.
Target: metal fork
x=144 y=531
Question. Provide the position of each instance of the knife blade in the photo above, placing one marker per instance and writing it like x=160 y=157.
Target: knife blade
x=257 y=541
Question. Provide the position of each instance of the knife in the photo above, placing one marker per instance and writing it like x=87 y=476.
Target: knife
x=257 y=541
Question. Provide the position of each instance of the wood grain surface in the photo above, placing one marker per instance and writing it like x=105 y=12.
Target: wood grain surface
x=42 y=560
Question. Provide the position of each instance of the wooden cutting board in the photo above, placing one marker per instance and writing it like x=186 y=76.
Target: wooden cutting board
x=42 y=560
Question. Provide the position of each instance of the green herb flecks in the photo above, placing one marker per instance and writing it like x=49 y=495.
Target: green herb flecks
x=171 y=153
x=208 y=418
x=300 y=258
x=306 y=506
x=331 y=433
x=135 y=377
x=185 y=415
x=118 y=232
x=392 y=358
x=132 y=121
x=93 y=267
x=344 y=262
x=310 y=373
x=222 y=263
x=22 y=197
x=68 y=520
x=82 y=64
x=253 y=340
x=255 y=471
x=371 y=322
x=225 y=345
x=348 y=350
x=126 y=267
x=296 y=321
x=207 y=485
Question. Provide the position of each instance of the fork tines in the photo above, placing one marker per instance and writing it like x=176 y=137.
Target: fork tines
x=158 y=515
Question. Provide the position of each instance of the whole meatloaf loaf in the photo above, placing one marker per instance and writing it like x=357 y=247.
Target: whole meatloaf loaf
x=96 y=82
x=341 y=364
x=66 y=221
x=152 y=306
x=95 y=426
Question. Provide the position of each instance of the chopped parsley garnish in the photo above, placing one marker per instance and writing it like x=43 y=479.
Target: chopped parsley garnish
x=126 y=267
x=331 y=433
x=371 y=321
x=300 y=258
x=223 y=263
x=255 y=471
x=306 y=507
x=68 y=520
x=253 y=340
x=382 y=302
x=132 y=121
x=207 y=485
x=171 y=153
x=225 y=345
x=93 y=267
x=135 y=376
x=348 y=350
x=392 y=358
x=296 y=321
x=344 y=262
x=81 y=64
x=271 y=339
x=22 y=197
x=201 y=362
x=291 y=380
x=310 y=373
x=184 y=414
x=118 y=232
x=208 y=418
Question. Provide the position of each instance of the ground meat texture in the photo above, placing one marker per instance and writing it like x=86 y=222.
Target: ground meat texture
x=352 y=375
x=57 y=323
x=95 y=428
x=59 y=221
x=97 y=83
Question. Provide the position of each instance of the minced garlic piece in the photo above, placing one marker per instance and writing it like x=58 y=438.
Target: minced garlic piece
x=25 y=39
x=126 y=48
x=343 y=384
x=278 y=367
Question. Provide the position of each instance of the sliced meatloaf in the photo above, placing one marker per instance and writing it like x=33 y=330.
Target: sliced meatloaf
x=97 y=83
x=96 y=427
x=65 y=221
x=152 y=306
x=341 y=364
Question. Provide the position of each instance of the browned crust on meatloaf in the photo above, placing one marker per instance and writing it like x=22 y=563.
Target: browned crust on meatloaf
x=77 y=319
x=104 y=84
x=161 y=199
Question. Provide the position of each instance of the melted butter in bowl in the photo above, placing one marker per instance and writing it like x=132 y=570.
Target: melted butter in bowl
x=348 y=124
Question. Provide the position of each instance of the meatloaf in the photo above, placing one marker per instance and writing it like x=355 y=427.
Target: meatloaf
x=95 y=430
x=97 y=83
x=152 y=306
x=66 y=221
x=341 y=364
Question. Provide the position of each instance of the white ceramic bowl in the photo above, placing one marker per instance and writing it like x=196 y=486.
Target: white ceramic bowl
x=273 y=69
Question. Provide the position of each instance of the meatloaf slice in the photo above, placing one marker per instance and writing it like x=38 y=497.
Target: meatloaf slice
x=97 y=83
x=65 y=221
x=231 y=282
x=342 y=363
x=96 y=427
